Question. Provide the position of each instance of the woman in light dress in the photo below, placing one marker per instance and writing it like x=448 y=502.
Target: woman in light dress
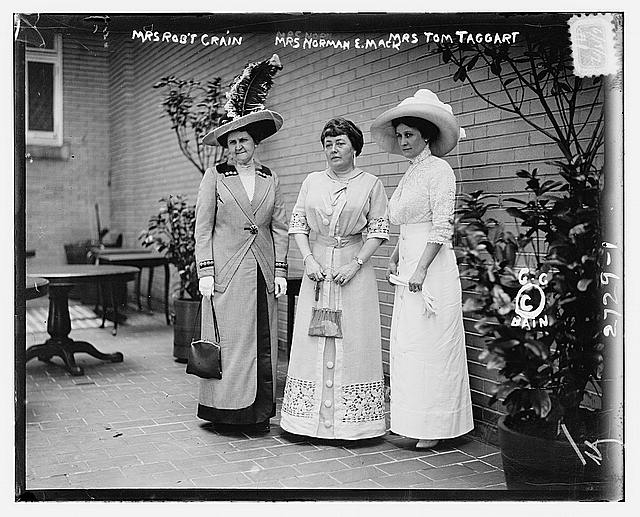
x=430 y=395
x=334 y=387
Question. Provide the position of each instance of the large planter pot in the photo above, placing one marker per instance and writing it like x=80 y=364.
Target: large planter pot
x=537 y=464
x=186 y=327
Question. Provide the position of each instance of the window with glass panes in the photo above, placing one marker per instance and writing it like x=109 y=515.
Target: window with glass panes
x=43 y=76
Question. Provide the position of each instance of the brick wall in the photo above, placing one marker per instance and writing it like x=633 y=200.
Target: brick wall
x=315 y=85
x=61 y=192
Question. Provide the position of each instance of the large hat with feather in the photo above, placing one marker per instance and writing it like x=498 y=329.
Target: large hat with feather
x=245 y=104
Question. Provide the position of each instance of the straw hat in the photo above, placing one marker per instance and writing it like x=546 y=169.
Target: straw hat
x=426 y=105
x=245 y=104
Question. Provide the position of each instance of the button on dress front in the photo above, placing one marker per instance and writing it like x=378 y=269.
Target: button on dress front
x=334 y=387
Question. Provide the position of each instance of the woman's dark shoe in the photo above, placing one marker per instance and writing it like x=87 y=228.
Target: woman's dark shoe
x=262 y=427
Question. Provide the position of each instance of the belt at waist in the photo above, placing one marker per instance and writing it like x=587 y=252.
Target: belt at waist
x=339 y=241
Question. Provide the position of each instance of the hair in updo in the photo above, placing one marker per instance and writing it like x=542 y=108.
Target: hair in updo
x=428 y=130
x=255 y=132
x=342 y=126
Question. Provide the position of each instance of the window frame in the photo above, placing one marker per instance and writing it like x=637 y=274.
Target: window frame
x=52 y=56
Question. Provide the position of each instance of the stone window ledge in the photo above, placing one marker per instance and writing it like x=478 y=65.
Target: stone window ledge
x=46 y=152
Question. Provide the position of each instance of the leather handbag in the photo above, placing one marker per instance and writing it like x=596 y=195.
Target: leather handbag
x=205 y=358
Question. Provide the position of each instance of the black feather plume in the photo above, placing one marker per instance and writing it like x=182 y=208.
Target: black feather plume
x=249 y=89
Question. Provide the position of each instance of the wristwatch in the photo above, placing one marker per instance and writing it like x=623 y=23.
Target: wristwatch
x=358 y=260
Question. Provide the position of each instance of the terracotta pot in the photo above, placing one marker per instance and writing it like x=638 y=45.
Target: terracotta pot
x=537 y=464
x=186 y=327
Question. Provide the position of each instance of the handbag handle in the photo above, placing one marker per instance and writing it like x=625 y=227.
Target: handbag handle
x=215 y=320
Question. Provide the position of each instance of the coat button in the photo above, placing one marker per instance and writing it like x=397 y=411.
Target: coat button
x=329 y=211
x=329 y=383
x=327 y=423
x=330 y=365
x=327 y=403
x=325 y=221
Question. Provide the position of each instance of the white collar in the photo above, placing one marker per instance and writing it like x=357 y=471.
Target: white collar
x=424 y=154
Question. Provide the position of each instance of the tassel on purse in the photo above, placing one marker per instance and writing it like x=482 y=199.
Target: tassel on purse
x=325 y=322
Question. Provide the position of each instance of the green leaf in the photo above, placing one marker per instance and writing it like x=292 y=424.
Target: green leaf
x=538 y=348
x=583 y=284
x=516 y=200
x=516 y=212
x=472 y=62
x=541 y=403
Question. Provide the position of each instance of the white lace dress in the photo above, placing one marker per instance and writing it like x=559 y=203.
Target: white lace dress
x=430 y=397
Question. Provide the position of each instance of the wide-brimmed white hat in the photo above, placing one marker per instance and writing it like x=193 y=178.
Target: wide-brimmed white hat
x=425 y=105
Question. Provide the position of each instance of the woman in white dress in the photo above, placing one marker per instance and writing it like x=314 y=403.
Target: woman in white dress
x=430 y=396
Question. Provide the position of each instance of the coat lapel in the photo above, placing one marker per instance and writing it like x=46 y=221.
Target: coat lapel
x=231 y=180
x=263 y=183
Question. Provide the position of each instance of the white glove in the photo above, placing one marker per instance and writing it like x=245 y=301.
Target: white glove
x=281 y=286
x=205 y=285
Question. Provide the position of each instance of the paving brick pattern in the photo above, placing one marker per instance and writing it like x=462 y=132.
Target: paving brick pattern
x=134 y=425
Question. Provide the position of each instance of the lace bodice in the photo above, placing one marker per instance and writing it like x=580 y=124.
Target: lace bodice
x=426 y=193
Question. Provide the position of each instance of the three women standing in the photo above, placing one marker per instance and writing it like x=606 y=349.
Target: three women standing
x=241 y=251
x=334 y=387
x=430 y=396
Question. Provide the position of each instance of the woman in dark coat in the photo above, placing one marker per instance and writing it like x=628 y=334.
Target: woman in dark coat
x=241 y=249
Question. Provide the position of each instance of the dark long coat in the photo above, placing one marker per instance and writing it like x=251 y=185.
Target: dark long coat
x=234 y=237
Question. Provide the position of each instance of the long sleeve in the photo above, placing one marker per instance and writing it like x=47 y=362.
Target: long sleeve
x=298 y=223
x=442 y=186
x=279 y=231
x=205 y=222
x=378 y=217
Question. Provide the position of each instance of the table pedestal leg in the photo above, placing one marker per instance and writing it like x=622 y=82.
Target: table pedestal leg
x=113 y=288
x=60 y=344
x=138 y=280
x=149 y=284
x=57 y=347
x=166 y=293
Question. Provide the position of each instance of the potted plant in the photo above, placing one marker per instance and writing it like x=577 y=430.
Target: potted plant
x=194 y=109
x=541 y=329
x=537 y=293
x=171 y=232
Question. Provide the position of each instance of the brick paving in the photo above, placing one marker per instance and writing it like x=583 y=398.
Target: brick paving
x=134 y=425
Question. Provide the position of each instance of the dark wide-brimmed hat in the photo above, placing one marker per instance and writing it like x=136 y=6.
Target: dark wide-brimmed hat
x=245 y=109
x=425 y=105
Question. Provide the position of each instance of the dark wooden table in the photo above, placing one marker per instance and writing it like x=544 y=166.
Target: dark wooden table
x=61 y=279
x=35 y=288
x=140 y=259
x=96 y=251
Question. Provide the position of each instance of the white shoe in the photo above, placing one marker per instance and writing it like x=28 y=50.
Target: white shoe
x=426 y=444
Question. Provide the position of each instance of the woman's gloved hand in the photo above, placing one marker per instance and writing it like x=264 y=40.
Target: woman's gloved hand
x=280 y=286
x=205 y=285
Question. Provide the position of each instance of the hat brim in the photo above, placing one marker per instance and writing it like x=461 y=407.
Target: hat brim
x=384 y=133
x=264 y=123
